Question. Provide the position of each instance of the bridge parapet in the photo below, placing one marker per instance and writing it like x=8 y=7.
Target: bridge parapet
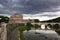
x=45 y=23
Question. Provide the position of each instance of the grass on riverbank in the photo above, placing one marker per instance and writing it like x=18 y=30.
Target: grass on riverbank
x=21 y=29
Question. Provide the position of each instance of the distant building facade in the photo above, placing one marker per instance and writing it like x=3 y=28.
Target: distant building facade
x=16 y=18
x=3 y=31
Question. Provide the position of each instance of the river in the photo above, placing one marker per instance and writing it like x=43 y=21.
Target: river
x=41 y=35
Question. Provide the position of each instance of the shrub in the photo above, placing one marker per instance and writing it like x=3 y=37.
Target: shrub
x=57 y=31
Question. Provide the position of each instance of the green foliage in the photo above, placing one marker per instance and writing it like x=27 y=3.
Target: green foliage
x=21 y=36
x=36 y=26
x=4 y=19
x=22 y=28
x=57 y=31
x=1 y=16
x=28 y=28
x=28 y=25
x=36 y=21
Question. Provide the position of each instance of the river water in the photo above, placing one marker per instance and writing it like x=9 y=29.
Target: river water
x=41 y=35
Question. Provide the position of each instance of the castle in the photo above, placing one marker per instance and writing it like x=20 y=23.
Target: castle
x=16 y=18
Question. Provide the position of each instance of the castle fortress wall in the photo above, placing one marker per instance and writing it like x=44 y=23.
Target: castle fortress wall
x=3 y=31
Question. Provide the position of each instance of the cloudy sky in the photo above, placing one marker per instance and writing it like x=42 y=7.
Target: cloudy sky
x=40 y=9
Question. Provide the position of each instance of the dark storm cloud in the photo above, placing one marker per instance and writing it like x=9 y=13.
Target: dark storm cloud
x=49 y=15
x=29 y=6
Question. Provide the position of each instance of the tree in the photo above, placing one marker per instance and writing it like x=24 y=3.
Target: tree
x=36 y=26
x=36 y=21
x=4 y=19
x=28 y=25
x=22 y=28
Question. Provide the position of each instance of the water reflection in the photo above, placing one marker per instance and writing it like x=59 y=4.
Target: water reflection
x=42 y=26
x=41 y=35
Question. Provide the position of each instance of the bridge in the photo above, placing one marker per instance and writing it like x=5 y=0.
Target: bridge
x=47 y=25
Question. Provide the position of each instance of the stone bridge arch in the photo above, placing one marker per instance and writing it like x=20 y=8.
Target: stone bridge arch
x=56 y=26
x=50 y=26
